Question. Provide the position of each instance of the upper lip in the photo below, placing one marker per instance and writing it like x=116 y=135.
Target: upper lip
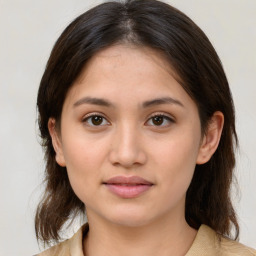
x=136 y=180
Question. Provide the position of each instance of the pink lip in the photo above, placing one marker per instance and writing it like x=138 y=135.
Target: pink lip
x=128 y=187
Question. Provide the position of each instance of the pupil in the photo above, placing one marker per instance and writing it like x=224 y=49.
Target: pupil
x=97 y=120
x=158 y=120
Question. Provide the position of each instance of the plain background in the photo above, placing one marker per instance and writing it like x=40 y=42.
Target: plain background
x=28 y=30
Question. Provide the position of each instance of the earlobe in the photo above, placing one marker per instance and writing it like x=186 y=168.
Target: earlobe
x=56 y=142
x=211 y=138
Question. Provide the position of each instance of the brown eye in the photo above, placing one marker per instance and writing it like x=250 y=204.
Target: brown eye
x=95 y=120
x=160 y=120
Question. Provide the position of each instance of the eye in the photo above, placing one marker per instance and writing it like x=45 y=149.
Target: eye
x=95 y=120
x=160 y=120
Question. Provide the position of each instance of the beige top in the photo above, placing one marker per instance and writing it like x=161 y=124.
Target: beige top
x=206 y=243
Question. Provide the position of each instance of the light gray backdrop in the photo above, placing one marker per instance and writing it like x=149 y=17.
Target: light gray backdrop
x=28 y=30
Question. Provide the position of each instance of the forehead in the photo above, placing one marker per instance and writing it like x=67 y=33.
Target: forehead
x=121 y=54
x=130 y=72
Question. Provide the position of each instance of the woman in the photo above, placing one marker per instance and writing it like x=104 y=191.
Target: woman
x=138 y=125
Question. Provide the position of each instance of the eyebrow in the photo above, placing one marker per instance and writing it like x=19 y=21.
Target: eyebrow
x=160 y=101
x=146 y=104
x=93 y=101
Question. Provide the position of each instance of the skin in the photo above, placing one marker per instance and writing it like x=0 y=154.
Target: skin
x=128 y=143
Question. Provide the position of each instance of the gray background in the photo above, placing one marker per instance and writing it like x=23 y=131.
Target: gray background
x=28 y=30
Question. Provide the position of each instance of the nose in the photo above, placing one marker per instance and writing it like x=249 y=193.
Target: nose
x=127 y=148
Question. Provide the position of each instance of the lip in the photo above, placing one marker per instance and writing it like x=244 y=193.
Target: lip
x=128 y=187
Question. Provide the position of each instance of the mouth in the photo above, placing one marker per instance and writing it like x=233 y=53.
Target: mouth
x=128 y=187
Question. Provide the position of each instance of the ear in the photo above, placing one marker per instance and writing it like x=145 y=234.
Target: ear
x=211 y=138
x=56 y=142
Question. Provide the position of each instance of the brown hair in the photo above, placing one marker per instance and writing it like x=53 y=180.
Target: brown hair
x=157 y=25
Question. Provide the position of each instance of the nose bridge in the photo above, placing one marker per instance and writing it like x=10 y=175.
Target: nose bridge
x=127 y=149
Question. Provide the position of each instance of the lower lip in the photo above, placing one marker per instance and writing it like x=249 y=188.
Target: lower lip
x=126 y=191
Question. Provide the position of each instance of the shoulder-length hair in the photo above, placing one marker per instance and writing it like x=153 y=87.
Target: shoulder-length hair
x=161 y=27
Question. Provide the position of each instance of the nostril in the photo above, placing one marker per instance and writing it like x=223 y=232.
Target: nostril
x=127 y=151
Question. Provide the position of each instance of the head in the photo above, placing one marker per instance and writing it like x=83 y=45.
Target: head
x=154 y=33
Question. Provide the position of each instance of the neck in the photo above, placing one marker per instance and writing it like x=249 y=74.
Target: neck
x=163 y=238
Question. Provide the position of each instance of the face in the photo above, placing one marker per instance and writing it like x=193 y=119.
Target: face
x=130 y=137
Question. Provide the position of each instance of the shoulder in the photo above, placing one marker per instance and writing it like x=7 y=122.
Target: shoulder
x=209 y=243
x=61 y=249
x=230 y=247
x=69 y=247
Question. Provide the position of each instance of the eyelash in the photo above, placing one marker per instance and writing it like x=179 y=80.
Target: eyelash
x=89 y=116
x=164 y=116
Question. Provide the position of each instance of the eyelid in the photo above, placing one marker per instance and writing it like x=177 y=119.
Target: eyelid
x=92 y=114
x=170 y=118
x=163 y=114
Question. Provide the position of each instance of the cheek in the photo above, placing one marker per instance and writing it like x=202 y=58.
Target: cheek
x=83 y=161
x=177 y=160
x=177 y=152
x=82 y=150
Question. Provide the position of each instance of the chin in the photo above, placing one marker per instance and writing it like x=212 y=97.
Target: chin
x=131 y=222
x=130 y=218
